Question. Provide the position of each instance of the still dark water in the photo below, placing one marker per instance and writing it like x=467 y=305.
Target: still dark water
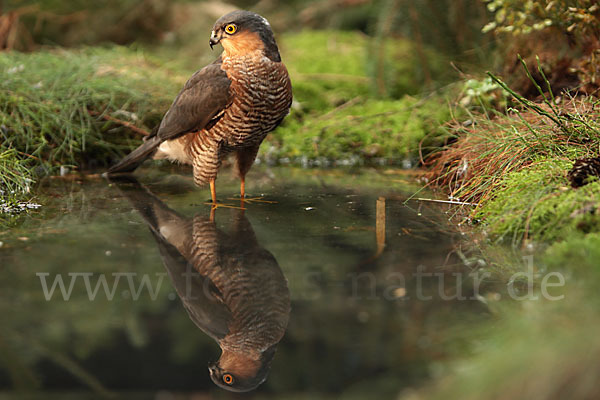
x=328 y=287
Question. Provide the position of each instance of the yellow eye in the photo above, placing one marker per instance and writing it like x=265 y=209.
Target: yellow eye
x=227 y=378
x=231 y=28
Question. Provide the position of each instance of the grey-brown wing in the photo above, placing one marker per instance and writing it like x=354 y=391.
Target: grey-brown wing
x=198 y=294
x=204 y=96
x=172 y=233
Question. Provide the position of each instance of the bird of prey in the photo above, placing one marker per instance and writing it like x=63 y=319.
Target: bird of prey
x=232 y=288
x=228 y=106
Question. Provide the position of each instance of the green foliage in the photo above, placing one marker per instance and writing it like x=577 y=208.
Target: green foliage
x=497 y=143
x=15 y=184
x=326 y=52
x=482 y=94
x=571 y=122
x=578 y=17
x=327 y=68
x=398 y=67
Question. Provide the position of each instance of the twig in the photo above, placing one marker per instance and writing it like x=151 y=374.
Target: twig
x=126 y=124
x=27 y=155
x=342 y=106
x=76 y=176
x=460 y=203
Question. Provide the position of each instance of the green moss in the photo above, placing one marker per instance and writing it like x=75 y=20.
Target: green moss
x=327 y=68
x=325 y=52
x=363 y=131
x=337 y=117
x=537 y=203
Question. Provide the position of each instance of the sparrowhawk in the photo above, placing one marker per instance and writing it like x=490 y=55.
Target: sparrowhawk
x=228 y=106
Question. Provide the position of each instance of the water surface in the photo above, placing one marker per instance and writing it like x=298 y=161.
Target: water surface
x=369 y=293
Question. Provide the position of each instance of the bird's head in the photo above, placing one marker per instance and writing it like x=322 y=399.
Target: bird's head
x=238 y=372
x=244 y=32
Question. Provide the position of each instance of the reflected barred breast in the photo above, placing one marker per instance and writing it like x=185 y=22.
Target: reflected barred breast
x=250 y=282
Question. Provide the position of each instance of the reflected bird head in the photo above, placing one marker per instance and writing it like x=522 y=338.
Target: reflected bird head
x=239 y=372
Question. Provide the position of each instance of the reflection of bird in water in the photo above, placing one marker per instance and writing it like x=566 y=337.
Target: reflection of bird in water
x=231 y=287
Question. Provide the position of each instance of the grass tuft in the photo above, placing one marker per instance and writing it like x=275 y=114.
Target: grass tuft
x=75 y=108
x=494 y=145
x=53 y=103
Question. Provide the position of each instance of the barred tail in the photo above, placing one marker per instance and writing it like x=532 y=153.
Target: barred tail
x=136 y=157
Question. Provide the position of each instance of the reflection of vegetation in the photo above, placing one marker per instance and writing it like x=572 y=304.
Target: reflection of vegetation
x=540 y=351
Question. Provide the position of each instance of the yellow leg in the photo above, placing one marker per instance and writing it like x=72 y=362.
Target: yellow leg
x=213 y=191
x=250 y=200
x=214 y=204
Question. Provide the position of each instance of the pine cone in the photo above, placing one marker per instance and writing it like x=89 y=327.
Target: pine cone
x=582 y=169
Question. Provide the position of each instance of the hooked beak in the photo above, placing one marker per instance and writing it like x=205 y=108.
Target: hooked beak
x=214 y=39
x=212 y=368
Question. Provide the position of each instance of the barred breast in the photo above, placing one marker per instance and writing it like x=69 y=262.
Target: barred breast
x=262 y=96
